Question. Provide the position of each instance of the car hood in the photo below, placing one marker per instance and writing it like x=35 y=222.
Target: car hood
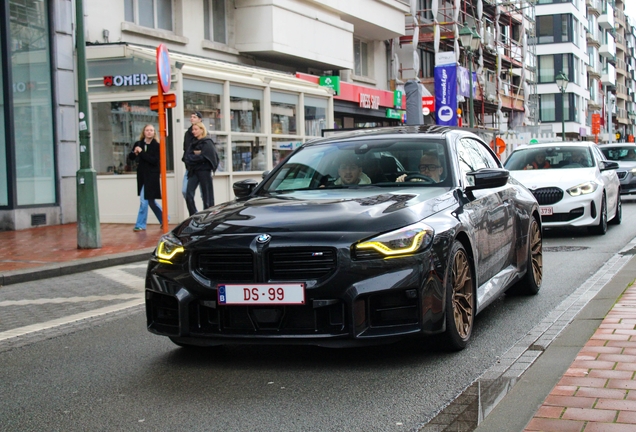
x=626 y=164
x=344 y=210
x=562 y=178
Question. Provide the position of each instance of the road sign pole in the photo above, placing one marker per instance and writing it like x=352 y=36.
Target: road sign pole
x=162 y=158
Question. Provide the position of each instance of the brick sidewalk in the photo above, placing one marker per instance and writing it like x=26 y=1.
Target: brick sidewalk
x=598 y=392
x=38 y=247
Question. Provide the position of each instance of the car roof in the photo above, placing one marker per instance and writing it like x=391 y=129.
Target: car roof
x=430 y=131
x=558 y=144
x=618 y=145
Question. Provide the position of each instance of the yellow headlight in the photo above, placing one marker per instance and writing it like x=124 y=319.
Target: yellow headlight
x=406 y=240
x=168 y=247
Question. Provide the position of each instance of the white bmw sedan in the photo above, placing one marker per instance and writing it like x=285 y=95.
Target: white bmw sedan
x=573 y=182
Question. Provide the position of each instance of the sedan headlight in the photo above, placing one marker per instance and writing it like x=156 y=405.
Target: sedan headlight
x=407 y=240
x=583 y=189
x=169 y=248
x=633 y=171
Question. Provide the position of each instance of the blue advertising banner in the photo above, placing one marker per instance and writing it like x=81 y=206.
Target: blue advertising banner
x=446 y=95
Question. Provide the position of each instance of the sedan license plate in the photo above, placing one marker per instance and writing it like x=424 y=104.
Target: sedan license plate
x=546 y=211
x=262 y=294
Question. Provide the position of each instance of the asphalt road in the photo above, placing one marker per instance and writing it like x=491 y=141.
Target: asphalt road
x=109 y=373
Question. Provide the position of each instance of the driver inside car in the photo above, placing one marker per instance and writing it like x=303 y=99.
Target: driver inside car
x=430 y=167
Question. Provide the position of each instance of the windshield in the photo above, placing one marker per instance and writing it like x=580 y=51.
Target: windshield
x=624 y=153
x=362 y=163
x=550 y=157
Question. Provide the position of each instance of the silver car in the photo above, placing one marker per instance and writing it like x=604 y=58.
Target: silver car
x=625 y=155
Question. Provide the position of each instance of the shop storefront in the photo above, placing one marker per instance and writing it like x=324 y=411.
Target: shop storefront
x=255 y=117
x=358 y=106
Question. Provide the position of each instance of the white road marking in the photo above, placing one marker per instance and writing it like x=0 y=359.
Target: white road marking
x=117 y=274
x=59 y=300
x=21 y=331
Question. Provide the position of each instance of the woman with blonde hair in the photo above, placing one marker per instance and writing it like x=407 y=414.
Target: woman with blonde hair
x=146 y=153
x=201 y=160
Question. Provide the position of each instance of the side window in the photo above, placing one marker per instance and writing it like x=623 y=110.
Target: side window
x=470 y=157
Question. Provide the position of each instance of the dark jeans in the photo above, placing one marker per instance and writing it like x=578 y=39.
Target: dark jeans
x=196 y=178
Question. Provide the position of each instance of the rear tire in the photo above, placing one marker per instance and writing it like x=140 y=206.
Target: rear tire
x=460 y=299
x=531 y=281
x=601 y=228
x=618 y=217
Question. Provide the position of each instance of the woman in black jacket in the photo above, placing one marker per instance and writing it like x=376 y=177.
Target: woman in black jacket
x=201 y=160
x=146 y=153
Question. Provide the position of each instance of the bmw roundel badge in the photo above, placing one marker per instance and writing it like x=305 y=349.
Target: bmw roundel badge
x=263 y=238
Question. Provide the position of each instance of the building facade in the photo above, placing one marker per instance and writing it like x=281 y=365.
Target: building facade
x=250 y=67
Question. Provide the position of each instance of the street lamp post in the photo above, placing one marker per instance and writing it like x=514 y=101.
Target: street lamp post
x=562 y=83
x=470 y=40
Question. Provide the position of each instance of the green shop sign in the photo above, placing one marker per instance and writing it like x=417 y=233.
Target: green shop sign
x=397 y=98
x=394 y=114
x=332 y=82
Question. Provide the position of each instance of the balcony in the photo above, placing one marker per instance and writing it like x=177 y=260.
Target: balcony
x=620 y=16
x=606 y=20
x=608 y=77
x=594 y=70
x=317 y=35
x=594 y=6
x=592 y=38
x=608 y=49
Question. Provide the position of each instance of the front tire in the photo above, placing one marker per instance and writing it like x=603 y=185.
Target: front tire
x=531 y=281
x=601 y=228
x=460 y=299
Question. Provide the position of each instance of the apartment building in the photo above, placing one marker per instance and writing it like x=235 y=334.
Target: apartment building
x=503 y=65
x=251 y=67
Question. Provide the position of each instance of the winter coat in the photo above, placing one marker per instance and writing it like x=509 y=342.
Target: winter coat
x=148 y=169
x=207 y=160
x=188 y=139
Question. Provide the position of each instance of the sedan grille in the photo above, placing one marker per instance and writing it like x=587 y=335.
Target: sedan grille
x=549 y=195
x=227 y=266
x=301 y=263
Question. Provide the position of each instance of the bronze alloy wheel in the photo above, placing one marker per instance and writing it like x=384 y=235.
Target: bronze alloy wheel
x=462 y=300
x=536 y=248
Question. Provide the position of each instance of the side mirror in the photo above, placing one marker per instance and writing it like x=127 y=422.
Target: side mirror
x=608 y=165
x=265 y=174
x=487 y=178
x=244 y=188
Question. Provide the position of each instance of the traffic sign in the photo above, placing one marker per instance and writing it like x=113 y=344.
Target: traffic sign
x=163 y=68
x=169 y=101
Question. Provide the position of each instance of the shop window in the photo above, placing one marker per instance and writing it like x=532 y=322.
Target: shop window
x=214 y=19
x=281 y=148
x=315 y=115
x=284 y=107
x=220 y=143
x=205 y=97
x=245 y=109
x=116 y=127
x=31 y=104
x=248 y=154
x=149 y=13
x=360 y=57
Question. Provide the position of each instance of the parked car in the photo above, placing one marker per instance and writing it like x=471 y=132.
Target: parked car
x=302 y=258
x=625 y=155
x=575 y=184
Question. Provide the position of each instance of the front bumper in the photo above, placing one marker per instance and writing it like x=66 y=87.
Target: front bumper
x=628 y=181
x=358 y=302
x=580 y=211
